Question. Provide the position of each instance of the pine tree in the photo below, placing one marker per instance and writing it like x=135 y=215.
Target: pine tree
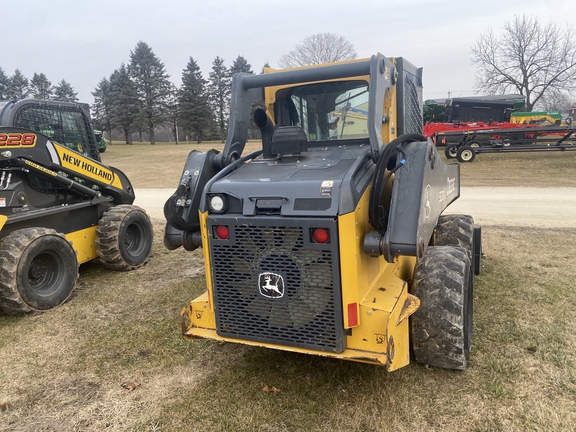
x=152 y=84
x=219 y=91
x=4 y=83
x=194 y=110
x=64 y=92
x=173 y=112
x=103 y=105
x=240 y=65
x=41 y=87
x=126 y=105
x=18 y=86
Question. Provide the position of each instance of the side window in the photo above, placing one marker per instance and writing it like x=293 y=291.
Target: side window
x=350 y=118
x=301 y=108
x=75 y=134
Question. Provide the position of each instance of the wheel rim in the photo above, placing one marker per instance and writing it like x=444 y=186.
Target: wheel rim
x=475 y=145
x=134 y=239
x=453 y=151
x=44 y=276
x=466 y=155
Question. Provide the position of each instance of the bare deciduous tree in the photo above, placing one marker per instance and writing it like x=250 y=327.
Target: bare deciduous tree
x=557 y=101
x=529 y=58
x=317 y=49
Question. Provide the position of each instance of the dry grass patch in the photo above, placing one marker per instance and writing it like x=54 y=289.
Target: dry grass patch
x=538 y=169
x=112 y=358
x=160 y=166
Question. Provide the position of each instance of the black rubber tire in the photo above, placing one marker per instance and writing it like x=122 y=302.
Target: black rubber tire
x=459 y=230
x=441 y=328
x=451 y=150
x=456 y=230
x=124 y=237
x=465 y=154
x=38 y=270
x=478 y=251
x=474 y=144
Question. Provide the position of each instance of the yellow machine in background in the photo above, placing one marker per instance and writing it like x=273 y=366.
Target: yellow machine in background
x=330 y=240
x=60 y=206
x=541 y=118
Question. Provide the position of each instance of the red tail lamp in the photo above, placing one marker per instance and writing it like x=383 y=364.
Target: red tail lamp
x=320 y=235
x=222 y=232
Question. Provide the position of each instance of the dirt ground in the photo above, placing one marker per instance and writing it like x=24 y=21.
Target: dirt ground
x=502 y=206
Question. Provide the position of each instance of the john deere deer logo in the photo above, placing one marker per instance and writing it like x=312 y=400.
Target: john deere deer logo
x=271 y=285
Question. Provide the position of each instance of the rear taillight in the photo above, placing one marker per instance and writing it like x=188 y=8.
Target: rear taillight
x=320 y=235
x=222 y=232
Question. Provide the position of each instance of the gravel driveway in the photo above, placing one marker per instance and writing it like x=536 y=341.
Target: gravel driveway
x=513 y=206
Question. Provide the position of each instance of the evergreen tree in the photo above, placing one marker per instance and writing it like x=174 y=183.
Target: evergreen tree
x=194 y=110
x=4 y=83
x=103 y=105
x=152 y=84
x=41 y=87
x=65 y=92
x=266 y=65
x=219 y=91
x=125 y=102
x=240 y=65
x=17 y=86
x=173 y=111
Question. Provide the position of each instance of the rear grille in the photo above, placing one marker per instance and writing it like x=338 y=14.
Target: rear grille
x=409 y=88
x=412 y=107
x=272 y=284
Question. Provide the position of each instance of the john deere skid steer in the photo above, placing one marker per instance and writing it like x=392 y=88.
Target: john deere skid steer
x=330 y=239
x=59 y=205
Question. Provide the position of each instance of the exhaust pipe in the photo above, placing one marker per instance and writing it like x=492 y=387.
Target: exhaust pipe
x=267 y=128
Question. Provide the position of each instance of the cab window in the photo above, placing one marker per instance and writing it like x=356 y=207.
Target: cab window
x=327 y=111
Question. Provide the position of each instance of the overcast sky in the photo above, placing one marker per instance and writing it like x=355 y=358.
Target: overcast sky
x=85 y=41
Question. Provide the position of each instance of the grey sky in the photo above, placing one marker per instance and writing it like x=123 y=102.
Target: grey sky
x=83 y=42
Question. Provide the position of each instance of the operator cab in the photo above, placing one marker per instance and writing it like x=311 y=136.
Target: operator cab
x=66 y=123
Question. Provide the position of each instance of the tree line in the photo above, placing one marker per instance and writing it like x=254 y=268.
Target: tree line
x=18 y=86
x=139 y=97
x=533 y=59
